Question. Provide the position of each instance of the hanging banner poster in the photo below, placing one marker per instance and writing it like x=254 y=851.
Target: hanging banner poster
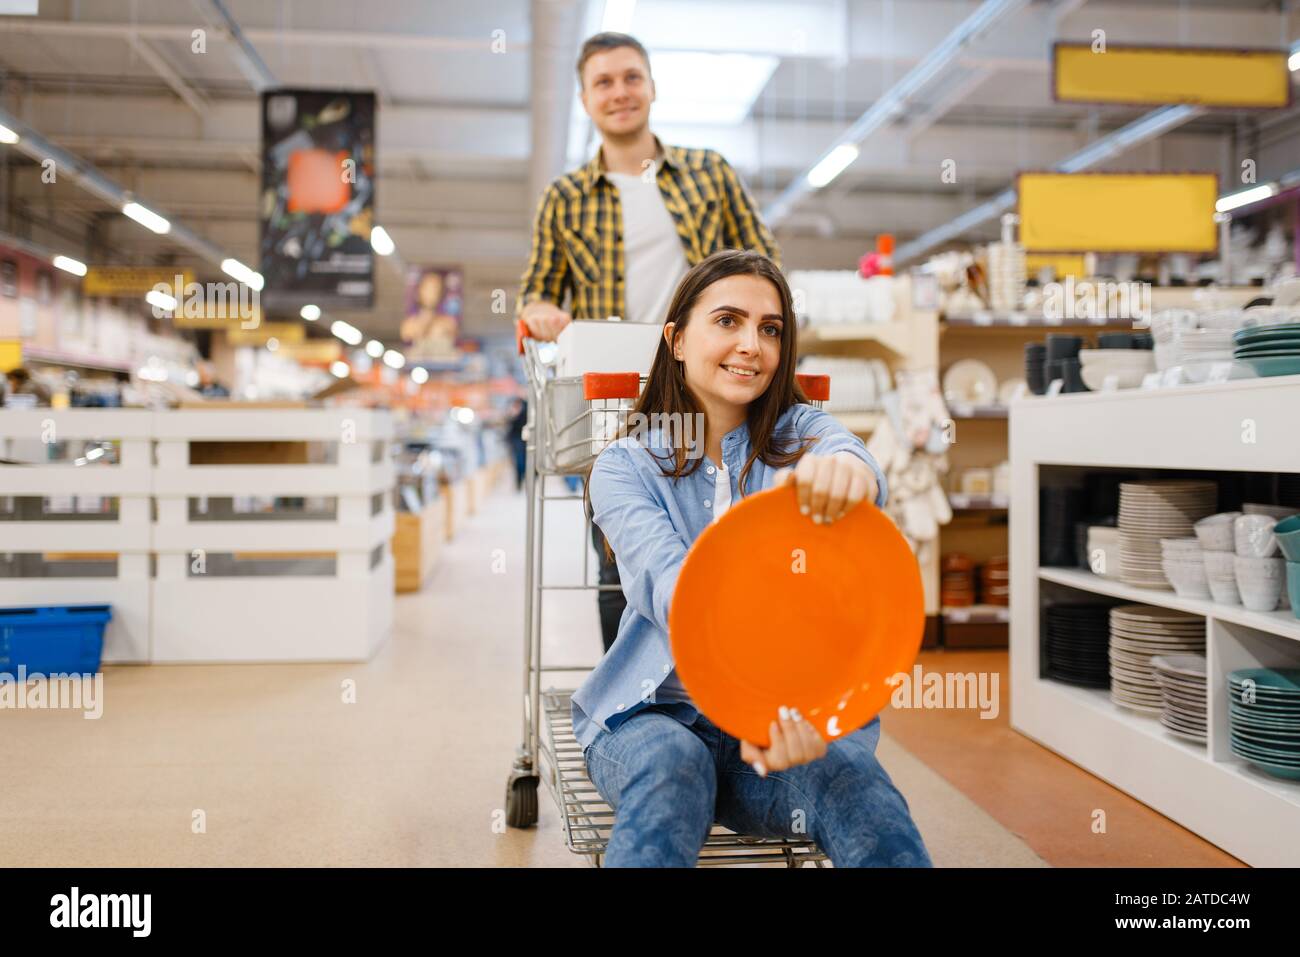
x=435 y=302
x=318 y=192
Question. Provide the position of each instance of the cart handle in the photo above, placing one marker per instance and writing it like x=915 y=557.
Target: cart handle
x=815 y=387
x=521 y=333
x=611 y=385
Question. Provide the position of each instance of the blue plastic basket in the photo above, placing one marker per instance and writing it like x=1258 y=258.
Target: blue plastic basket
x=52 y=639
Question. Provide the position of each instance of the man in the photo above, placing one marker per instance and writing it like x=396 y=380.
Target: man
x=616 y=235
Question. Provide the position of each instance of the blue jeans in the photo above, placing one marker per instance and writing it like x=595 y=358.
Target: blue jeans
x=668 y=783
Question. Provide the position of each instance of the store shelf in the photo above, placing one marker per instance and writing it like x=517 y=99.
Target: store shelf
x=963 y=502
x=1283 y=623
x=1026 y=321
x=977 y=615
x=894 y=336
x=54 y=357
x=1205 y=788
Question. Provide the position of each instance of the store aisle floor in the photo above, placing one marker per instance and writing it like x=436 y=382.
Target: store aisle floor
x=267 y=765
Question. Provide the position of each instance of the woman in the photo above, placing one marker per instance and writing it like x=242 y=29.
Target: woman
x=728 y=353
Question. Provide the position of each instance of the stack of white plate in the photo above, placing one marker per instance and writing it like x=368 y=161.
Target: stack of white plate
x=1007 y=274
x=1150 y=511
x=1139 y=632
x=1198 y=349
x=1182 y=684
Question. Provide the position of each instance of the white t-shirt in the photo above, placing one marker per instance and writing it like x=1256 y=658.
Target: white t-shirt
x=653 y=255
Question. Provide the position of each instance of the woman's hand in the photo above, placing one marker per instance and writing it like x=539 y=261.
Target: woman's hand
x=830 y=485
x=793 y=742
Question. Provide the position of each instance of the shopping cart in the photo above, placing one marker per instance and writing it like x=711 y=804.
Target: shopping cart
x=570 y=418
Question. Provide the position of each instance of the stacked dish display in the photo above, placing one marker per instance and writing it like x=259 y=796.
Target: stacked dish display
x=1155 y=510
x=1182 y=685
x=1259 y=571
x=1269 y=350
x=1036 y=367
x=1264 y=718
x=1128 y=367
x=1137 y=634
x=1075 y=644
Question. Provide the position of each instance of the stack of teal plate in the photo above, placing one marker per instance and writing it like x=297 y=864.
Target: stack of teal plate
x=1264 y=718
x=1269 y=350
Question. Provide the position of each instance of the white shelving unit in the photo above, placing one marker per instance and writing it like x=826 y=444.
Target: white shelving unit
x=1247 y=425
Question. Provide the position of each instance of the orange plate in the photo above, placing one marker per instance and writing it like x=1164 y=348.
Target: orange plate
x=771 y=609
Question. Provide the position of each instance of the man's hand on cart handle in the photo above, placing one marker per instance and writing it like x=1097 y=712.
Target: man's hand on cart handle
x=793 y=742
x=545 y=320
x=830 y=485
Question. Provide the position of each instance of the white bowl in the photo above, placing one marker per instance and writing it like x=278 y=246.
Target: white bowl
x=1253 y=536
x=1225 y=592
x=1252 y=570
x=1215 y=532
x=1220 y=566
x=1262 y=596
x=1095 y=378
x=1118 y=359
x=1188 y=578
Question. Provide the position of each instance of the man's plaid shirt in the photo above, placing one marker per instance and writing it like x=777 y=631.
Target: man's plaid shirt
x=578 y=232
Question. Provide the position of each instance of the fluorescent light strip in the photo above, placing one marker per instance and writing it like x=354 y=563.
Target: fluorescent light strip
x=310 y=312
x=237 y=270
x=394 y=359
x=374 y=348
x=161 y=300
x=340 y=369
x=348 y=333
x=7 y=135
x=69 y=265
x=420 y=375
x=147 y=218
x=1244 y=198
x=618 y=16
x=832 y=164
x=381 y=242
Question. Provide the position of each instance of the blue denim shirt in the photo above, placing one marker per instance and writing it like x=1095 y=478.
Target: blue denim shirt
x=651 y=521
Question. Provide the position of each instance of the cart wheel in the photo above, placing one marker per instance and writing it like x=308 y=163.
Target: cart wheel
x=521 y=800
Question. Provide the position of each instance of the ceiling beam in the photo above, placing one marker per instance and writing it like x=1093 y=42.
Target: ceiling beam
x=165 y=70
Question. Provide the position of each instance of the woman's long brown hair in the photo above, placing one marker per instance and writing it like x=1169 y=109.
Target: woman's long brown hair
x=666 y=391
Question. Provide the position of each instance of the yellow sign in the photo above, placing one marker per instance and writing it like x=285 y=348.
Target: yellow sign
x=216 y=316
x=131 y=280
x=1155 y=75
x=1118 y=212
x=1061 y=266
x=314 y=351
x=11 y=354
x=287 y=332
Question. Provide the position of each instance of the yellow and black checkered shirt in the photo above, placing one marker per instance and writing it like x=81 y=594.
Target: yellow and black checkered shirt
x=578 y=232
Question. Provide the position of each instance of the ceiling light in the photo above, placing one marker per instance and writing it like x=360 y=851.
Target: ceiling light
x=708 y=88
x=1244 y=198
x=237 y=270
x=394 y=359
x=310 y=312
x=272 y=344
x=69 y=265
x=160 y=300
x=832 y=164
x=1293 y=64
x=147 y=218
x=381 y=242
x=464 y=415
x=374 y=348
x=340 y=369
x=420 y=375
x=348 y=333
x=9 y=136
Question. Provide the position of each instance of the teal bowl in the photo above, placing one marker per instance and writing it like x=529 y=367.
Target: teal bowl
x=1293 y=586
x=1287 y=532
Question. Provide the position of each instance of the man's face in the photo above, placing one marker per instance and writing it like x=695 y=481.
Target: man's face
x=617 y=91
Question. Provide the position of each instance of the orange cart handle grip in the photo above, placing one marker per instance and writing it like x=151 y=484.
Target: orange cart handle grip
x=815 y=387
x=611 y=385
x=521 y=333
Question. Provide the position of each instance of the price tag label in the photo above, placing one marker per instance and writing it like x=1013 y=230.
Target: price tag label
x=1110 y=383
x=1056 y=387
x=962 y=411
x=1054 y=320
x=1022 y=390
x=983 y=319
x=1019 y=319
x=958 y=615
x=1097 y=320
x=1220 y=372
x=1151 y=381
x=1172 y=377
